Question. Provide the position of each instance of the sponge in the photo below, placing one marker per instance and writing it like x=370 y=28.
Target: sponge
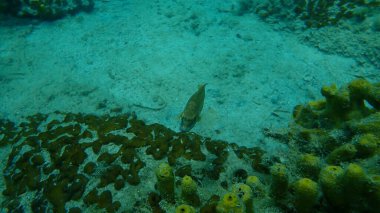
x=309 y=165
x=367 y=145
x=244 y=192
x=189 y=191
x=184 y=209
x=374 y=196
x=359 y=88
x=305 y=195
x=343 y=153
x=330 y=180
x=256 y=186
x=354 y=183
x=230 y=204
x=279 y=185
x=165 y=182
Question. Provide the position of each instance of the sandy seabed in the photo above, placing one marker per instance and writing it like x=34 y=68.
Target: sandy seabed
x=150 y=56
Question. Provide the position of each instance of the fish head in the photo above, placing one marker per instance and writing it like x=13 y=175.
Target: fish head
x=186 y=124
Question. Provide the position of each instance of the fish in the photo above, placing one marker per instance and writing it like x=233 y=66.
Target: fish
x=193 y=109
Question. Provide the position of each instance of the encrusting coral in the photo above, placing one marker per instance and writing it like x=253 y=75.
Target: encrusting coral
x=94 y=160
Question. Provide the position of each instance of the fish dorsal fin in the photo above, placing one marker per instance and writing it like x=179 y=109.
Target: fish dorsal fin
x=201 y=85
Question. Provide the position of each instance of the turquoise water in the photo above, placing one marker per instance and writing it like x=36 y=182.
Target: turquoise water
x=145 y=59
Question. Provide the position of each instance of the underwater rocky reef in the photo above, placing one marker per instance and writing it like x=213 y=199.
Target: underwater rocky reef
x=45 y=9
x=345 y=27
x=66 y=162
x=314 y=13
